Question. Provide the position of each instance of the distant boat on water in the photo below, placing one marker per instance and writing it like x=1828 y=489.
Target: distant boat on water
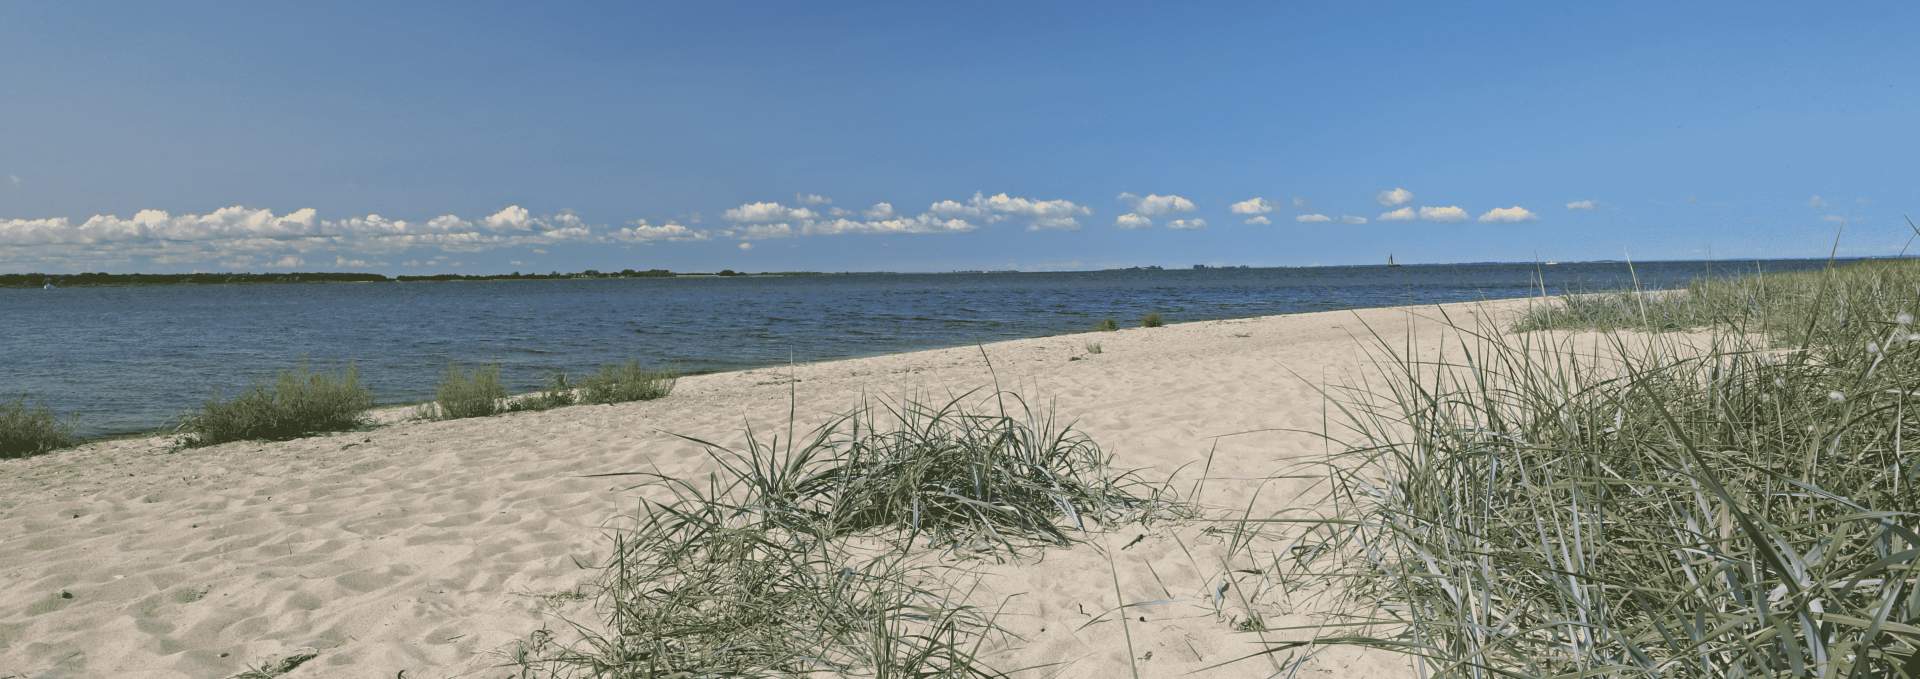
x=1390 y=260
x=49 y=285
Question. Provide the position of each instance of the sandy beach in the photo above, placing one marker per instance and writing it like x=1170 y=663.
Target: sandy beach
x=421 y=547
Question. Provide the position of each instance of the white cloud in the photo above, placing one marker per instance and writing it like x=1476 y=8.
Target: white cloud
x=642 y=232
x=1256 y=206
x=1061 y=224
x=1586 y=205
x=1158 y=206
x=1187 y=224
x=1508 y=215
x=1393 y=198
x=513 y=218
x=289 y=261
x=1260 y=221
x=1042 y=214
x=1132 y=221
x=879 y=211
x=812 y=199
x=1405 y=214
x=1445 y=215
x=1301 y=203
x=840 y=212
x=767 y=213
x=1349 y=219
x=746 y=246
x=1313 y=219
x=1817 y=201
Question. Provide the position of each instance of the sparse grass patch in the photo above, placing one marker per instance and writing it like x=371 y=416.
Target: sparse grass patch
x=620 y=383
x=1107 y=325
x=297 y=403
x=1527 y=507
x=557 y=393
x=462 y=393
x=27 y=431
x=798 y=559
x=1152 y=320
x=1093 y=347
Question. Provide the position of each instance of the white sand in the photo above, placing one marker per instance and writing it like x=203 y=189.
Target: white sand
x=413 y=546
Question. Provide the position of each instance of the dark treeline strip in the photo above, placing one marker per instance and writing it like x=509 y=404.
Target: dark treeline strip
x=103 y=279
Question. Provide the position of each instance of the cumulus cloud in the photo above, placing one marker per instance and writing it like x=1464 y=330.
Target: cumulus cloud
x=1187 y=224
x=642 y=232
x=767 y=213
x=1158 y=206
x=1256 y=206
x=1817 y=201
x=1301 y=203
x=1509 y=215
x=1350 y=219
x=1394 y=198
x=1313 y=219
x=879 y=211
x=1132 y=221
x=1405 y=214
x=812 y=199
x=1444 y=215
x=1260 y=221
x=1585 y=205
x=839 y=212
x=1041 y=214
x=746 y=246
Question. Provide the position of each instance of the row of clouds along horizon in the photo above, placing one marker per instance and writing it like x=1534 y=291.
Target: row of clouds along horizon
x=240 y=236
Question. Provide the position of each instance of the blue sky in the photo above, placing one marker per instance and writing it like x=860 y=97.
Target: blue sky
x=473 y=137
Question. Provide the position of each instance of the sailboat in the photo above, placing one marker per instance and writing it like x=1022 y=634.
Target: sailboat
x=1390 y=260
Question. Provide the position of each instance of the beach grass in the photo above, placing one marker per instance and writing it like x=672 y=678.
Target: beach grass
x=1738 y=501
x=296 y=403
x=797 y=556
x=557 y=393
x=629 y=381
x=31 y=430
x=466 y=392
x=1107 y=325
x=1152 y=320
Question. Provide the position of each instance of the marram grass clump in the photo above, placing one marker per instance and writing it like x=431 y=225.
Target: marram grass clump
x=1152 y=320
x=1741 y=504
x=800 y=559
x=463 y=392
x=31 y=430
x=557 y=393
x=297 y=403
x=624 y=382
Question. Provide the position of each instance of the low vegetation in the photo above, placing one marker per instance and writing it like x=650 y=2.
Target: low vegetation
x=463 y=392
x=1735 y=503
x=624 y=382
x=1152 y=320
x=1107 y=325
x=800 y=559
x=297 y=403
x=557 y=393
x=31 y=430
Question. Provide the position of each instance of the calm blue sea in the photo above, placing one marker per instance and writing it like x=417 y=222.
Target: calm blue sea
x=133 y=359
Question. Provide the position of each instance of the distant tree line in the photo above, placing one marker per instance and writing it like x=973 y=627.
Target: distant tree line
x=103 y=279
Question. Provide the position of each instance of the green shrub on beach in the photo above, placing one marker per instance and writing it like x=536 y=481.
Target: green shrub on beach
x=557 y=393
x=1152 y=320
x=1745 y=506
x=464 y=393
x=623 y=382
x=751 y=573
x=27 y=431
x=1106 y=325
x=297 y=403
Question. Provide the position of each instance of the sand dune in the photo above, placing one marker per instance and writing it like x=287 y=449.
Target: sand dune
x=419 y=546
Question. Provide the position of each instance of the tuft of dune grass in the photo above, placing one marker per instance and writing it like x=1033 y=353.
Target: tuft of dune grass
x=1629 y=505
x=629 y=381
x=797 y=556
x=1152 y=320
x=463 y=392
x=297 y=403
x=27 y=431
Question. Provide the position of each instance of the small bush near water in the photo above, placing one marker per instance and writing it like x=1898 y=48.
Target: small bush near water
x=556 y=394
x=464 y=393
x=1745 y=507
x=796 y=560
x=27 y=431
x=1107 y=325
x=624 y=382
x=297 y=403
x=1152 y=321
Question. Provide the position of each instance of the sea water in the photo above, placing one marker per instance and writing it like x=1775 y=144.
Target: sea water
x=133 y=359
